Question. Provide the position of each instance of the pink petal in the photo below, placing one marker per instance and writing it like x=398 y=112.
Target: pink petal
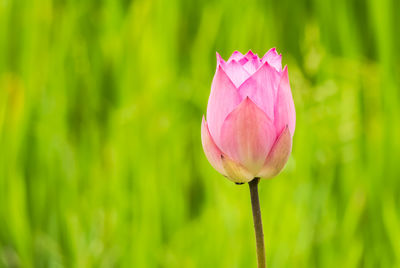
x=250 y=55
x=236 y=72
x=261 y=87
x=235 y=171
x=212 y=152
x=220 y=60
x=285 y=113
x=273 y=59
x=237 y=56
x=243 y=61
x=224 y=97
x=278 y=156
x=252 y=65
x=247 y=136
x=221 y=162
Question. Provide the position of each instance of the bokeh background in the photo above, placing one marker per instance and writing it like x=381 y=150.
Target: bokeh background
x=101 y=163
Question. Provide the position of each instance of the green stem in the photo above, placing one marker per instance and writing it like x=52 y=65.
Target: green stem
x=255 y=204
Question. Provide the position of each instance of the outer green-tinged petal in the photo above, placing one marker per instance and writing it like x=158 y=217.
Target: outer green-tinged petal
x=235 y=171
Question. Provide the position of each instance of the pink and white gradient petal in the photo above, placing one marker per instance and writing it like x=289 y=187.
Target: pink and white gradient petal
x=235 y=171
x=212 y=152
x=237 y=56
x=224 y=98
x=247 y=136
x=278 y=156
x=252 y=65
x=285 y=113
x=273 y=58
x=261 y=87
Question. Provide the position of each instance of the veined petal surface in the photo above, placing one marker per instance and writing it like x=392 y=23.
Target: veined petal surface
x=278 y=156
x=261 y=87
x=247 y=136
x=285 y=113
x=224 y=98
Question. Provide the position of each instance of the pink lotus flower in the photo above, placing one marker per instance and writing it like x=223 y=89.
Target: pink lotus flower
x=250 y=117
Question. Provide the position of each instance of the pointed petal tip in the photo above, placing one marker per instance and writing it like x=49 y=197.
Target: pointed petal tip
x=285 y=72
x=248 y=101
x=274 y=59
x=250 y=52
x=236 y=55
x=221 y=69
x=219 y=59
x=264 y=66
x=272 y=51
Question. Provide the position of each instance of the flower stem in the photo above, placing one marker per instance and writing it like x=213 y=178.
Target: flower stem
x=255 y=204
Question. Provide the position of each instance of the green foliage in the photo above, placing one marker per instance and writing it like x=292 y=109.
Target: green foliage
x=101 y=162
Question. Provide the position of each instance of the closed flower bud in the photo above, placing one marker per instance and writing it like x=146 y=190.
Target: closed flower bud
x=250 y=117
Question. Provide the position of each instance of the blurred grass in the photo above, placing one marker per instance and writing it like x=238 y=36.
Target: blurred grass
x=101 y=162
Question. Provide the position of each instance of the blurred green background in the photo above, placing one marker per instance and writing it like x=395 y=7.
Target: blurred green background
x=101 y=163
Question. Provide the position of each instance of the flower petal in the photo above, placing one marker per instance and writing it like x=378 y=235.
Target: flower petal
x=237 y=56
x=243 y=61
x=236 y=72
x=273 y=59
x=212 y=152
x=235 y=171
x=252 y=65
x=220 y=60
x=250 y=55
x=224 y=97
x=247 y=136
x=285 y=113
x=261 y=87
x=278 y=156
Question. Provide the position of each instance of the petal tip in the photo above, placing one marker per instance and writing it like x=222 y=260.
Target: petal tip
x=285 y=74
x=219 y=58
x=249 y=53
x=237 y=55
